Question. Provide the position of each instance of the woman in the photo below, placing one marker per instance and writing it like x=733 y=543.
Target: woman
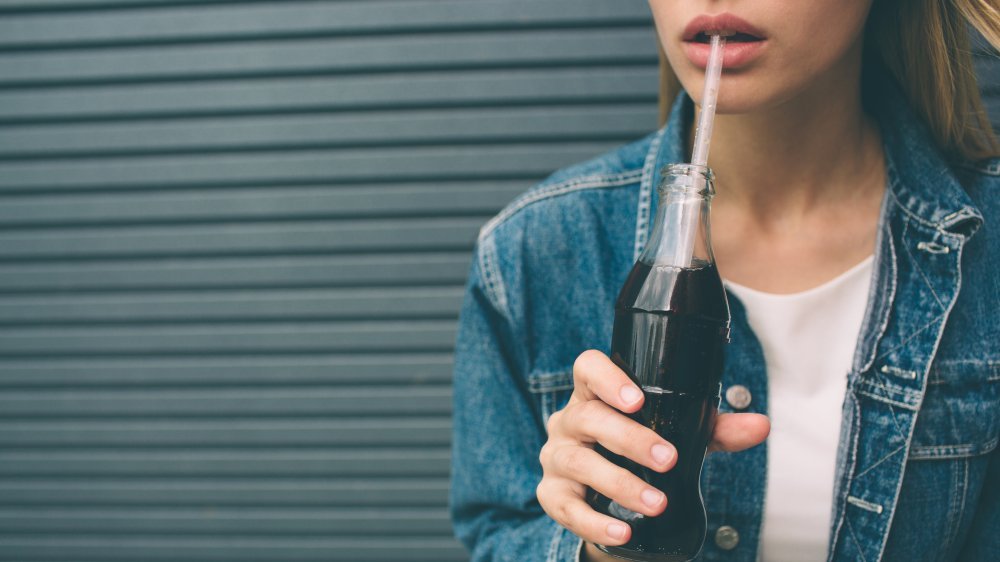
x=854 y=225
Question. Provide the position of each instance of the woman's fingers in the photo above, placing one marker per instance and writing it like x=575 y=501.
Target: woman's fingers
x=596 y=376
x=595 y=422
x=563 y=501
x=735 y=432
x=586 y=466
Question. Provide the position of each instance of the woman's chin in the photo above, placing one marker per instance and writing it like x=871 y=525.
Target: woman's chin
x=735 y=100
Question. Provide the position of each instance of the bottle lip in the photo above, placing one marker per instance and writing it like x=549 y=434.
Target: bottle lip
x=701 y=180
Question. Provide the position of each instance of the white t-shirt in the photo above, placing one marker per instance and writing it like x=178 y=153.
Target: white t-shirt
x=808 y=339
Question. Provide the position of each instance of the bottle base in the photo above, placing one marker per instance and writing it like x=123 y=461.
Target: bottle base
x=634 y=556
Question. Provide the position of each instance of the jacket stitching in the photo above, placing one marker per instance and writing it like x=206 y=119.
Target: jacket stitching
x=916 y=266
x=936 y=378
x=955 y=513
x=888 y=391
x=550 y=382
x=493 y=283
x=895 y=421
x=909 y=438
x=880 y=461
x=852 y=463
x=909 y=213
x=857 y=543
x=886 y=399
x=645 y=195
x=913 y=335
x=576 y=184
x=989 y=167
x=953 y=451
x=884 y=233
x=554 y=545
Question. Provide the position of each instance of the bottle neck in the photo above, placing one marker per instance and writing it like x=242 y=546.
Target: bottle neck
x=681 y=235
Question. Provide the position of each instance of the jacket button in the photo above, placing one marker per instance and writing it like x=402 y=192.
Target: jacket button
x=738 y=396
x=727 y=538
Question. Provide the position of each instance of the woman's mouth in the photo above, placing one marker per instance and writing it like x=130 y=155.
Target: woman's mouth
x=744 y=42
x=731 y=37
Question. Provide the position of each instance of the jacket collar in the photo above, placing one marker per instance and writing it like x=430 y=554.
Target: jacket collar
x=920 y=179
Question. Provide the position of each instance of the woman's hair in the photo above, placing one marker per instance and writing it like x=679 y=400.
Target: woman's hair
x=925 y=46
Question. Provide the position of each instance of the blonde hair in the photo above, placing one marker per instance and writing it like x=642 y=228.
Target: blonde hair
x=924 y=45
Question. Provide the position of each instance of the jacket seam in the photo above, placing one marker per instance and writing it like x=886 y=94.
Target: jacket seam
x=596 y=181
x=909 y=213
x=908 y=444
x=937 y=226
x=544 y=382
x=646 y=195
x=990 y=167
x=492 y=281
x=953 y=451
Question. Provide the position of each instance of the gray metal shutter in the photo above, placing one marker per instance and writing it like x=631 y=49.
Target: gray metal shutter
x=233 y=239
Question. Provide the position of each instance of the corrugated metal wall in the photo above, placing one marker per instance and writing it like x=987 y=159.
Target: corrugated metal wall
x=233 y=239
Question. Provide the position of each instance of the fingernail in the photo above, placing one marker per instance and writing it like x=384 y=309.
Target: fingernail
x=630 y=394
x=651 y=497
x=617 y=530
x=662 y=454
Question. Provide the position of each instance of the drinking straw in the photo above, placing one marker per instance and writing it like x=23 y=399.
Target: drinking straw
x=713 y=75
x=688 y=218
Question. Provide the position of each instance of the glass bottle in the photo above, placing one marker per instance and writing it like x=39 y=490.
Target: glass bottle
x=670 y=328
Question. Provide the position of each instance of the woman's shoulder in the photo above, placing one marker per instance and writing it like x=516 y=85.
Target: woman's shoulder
x=576 y=184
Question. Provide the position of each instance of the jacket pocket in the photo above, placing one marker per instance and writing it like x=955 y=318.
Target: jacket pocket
x=956 y=426
x=552 y=390
x=960 y=413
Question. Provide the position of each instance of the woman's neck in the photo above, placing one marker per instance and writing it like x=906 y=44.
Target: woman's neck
x=788 y=161
x=798 y=189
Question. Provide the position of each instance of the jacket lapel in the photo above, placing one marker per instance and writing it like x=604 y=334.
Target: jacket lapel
x=926 y=220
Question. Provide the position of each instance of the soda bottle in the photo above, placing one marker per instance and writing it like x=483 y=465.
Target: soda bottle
x=670 y=328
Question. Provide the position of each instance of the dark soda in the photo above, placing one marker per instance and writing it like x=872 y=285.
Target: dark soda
x=671 y=325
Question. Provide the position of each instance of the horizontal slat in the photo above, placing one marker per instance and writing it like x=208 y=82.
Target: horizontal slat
x=482 y=198
x=380 y=432
x=232 y=463
x=345 y=165
x=246 y=238
x=416 y=127
x=318 y=337
x=234 y=370
x=46 y=5
x=261 y=522
x=230 y=548
x=372 y=402
x=180 y=273
x=552 y=86
x=333 y=55
x=301 y=18
x=219 y=492
x=384 y=431
x=395 y=302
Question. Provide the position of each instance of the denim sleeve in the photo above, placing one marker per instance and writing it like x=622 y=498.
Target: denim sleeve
x=497 y=436
x=984 y=537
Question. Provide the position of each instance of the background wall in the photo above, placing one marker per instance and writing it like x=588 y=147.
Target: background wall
x=233 y=239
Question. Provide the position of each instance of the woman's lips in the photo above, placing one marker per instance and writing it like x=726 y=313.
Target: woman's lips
x=740 y=50
x=734 y=55
x=725 y=22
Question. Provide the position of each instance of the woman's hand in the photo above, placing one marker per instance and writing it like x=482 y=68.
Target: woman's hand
x=601 y=392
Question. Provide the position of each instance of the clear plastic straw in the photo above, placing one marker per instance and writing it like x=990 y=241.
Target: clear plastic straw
x=689 y=217
x=713 y=75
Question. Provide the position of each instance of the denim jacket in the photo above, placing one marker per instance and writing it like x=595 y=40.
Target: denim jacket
x=917 y=476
